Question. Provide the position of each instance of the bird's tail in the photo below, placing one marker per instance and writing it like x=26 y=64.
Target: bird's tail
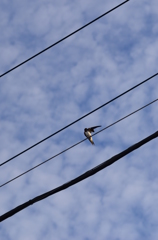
x=91 y=140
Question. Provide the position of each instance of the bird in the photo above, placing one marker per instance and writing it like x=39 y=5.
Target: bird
x=87 y=133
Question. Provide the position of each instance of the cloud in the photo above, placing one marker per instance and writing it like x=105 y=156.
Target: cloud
x=59 y=86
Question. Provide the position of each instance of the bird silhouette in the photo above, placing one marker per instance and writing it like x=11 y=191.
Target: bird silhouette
x=87 y=133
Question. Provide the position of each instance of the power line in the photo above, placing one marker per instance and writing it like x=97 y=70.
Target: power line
x=79 y=119
x=79 y=178
x=79 y=29
x=29 y=170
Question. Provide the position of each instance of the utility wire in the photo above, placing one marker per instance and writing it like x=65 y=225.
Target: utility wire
x=29 y=170
x=79 y=178
x=79 y=29
x=79 y=119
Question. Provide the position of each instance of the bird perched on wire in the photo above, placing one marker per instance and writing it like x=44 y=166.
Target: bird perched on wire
x=87 y=133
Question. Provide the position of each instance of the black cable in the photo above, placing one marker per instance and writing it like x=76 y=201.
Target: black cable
x=29 y=170
x=79 y=178
x=79 y=119
x=79 y=29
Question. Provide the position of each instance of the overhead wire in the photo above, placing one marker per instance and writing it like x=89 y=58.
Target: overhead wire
x=91 y=171
x=79 y=29
x=113 y=99
x=20 y=175
x=80 y=178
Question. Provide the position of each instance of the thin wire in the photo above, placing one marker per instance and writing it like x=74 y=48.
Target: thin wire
x=80 y=178
x=79 y=29
x=79 y=119
x=11 y=180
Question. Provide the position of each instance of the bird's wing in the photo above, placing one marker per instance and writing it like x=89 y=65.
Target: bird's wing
x=91 y=129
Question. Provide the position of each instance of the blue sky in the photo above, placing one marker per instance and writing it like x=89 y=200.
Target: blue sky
x=59 y=86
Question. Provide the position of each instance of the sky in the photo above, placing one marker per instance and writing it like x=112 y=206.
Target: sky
x=61 y=85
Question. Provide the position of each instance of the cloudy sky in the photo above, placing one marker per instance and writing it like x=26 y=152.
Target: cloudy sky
x=61 y=85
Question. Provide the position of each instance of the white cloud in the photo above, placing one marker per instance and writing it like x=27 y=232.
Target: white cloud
x=61 y=85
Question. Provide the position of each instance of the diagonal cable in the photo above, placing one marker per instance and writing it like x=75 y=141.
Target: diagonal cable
x=65 y=150
x=79 y=29
x=34 y=145
x=80 y=178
